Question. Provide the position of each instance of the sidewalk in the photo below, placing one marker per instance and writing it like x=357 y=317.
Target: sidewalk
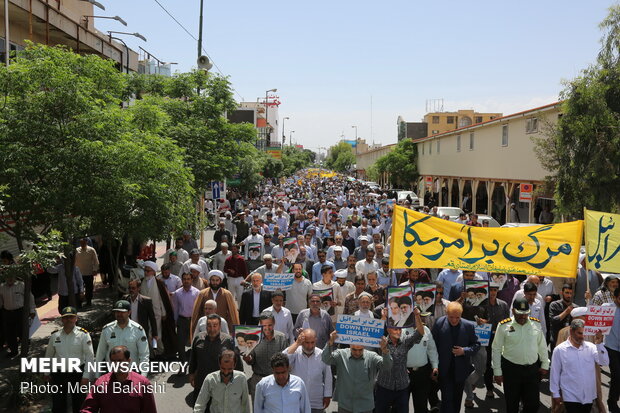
x=91 y=318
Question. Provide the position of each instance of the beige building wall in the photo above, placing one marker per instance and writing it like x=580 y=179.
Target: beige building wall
x=439 y=122
x=365 y=160
x=483 y=158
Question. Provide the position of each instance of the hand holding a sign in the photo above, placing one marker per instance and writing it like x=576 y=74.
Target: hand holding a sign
x=384 y=347
x=598 y=337
x=332 y=338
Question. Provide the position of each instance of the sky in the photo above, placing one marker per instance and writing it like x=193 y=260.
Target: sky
x=330 y=59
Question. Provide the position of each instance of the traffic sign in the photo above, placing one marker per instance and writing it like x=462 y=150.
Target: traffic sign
x=216 y=190
x=525 y=192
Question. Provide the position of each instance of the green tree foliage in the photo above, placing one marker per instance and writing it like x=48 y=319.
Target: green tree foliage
x=400 y=165
x=195 y=105
x=294 y=159
x=73 y=160
x=582 y=151
x=341 y=157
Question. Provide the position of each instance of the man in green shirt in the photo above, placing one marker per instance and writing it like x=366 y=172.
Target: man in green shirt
x=225 y=390
x=357 y=369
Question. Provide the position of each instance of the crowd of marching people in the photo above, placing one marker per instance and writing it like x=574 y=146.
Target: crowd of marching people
x=334 y=233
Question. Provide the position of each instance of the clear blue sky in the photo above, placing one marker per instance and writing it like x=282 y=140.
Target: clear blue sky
x=327 y=58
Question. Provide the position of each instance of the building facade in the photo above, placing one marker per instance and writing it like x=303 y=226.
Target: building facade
x=365 y=160
x=480 y=167
x=61 y=22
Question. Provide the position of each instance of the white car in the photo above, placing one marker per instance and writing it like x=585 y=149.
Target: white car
x=492 y=221
x=402 y=195
x=452 y=212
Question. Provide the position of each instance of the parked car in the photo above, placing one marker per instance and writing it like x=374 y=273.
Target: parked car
x=452 y=212
x=492 y=221
x=402 y=195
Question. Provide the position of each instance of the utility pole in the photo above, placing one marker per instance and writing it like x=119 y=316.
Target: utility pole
x=200 y=29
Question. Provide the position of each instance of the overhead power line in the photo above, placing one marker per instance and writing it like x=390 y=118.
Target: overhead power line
x=196 y=39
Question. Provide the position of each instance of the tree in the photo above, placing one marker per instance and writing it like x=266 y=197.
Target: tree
x=196 y=104
x=400 y=164
x=294 y=159
x=583 y=149
x=74 y=161
x=341 y=157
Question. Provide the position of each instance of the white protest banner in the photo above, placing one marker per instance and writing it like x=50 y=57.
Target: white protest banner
x=599 y=318
x=275 y=281
x=359 y=330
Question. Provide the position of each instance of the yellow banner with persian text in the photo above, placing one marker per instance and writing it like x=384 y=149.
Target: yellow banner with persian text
x=423 y=241
x=602 y=241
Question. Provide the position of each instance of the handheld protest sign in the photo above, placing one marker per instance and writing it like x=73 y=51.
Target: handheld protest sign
x=254 y=249
x=246 y=337
x=477 y=292
x=400 y=307
x=327 y=297
x=424 y=295
x=291 y=249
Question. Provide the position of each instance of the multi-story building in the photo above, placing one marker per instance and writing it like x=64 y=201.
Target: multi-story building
x=480 y=167
x=61 y=22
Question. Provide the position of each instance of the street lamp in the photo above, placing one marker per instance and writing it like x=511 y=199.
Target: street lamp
x=268 y=136
x=283 y=136
x=290 y=137
x=138 y=35
x=95 y=3
x=117 y=18
x=355 y=127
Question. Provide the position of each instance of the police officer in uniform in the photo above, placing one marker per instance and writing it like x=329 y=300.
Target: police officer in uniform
x=519 y=358
x=123 y=332
x=75 y=342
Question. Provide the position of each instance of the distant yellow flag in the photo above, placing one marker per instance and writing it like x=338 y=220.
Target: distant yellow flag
x=602 y=241
x=422 y=241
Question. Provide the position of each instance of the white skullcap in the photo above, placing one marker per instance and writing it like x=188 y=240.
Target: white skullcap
x=152 y=265
x=216 y=272
x=578 y=312
x=341 y=274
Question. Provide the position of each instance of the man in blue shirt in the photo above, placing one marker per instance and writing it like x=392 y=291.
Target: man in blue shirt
x=316 y=268
x=612 y=343
x=281 y=391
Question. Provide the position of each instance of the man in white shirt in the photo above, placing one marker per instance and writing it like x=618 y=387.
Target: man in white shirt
x=194 y=258
x=363 y=267
x=282 y=315
x=306 y=363
x=345 y=288
x=182 y=255
x=573 y=371
x=219 y=258
x=298 y=295
x=327 y=282
x=448 y=277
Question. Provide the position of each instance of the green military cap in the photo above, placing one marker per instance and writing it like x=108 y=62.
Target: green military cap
x=521 y=306
x=67 y=311
x=122 y=305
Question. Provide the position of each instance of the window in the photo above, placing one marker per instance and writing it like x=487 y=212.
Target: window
x=451 y=119
x=458 y=143
x=430 y=147
x=435 y=119
x=471 y=141
x=505 y=135
x=434 y=132
x=478 y=119
x=532 y=125
x=492 y=117
x=438 y=146
x=423 y=145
